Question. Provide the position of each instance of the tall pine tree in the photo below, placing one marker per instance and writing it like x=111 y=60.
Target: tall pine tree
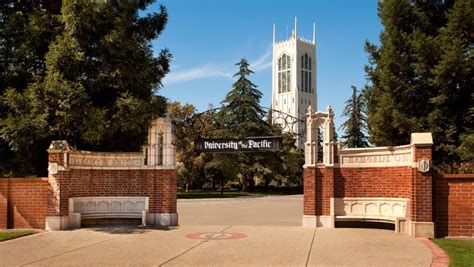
x=242 y=116
x=355 y=126
x=421 y=74
x=452 y=118
x=241 y=111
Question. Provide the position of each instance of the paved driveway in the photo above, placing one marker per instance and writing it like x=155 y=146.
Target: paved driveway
x=263 y=211
x=264 y=238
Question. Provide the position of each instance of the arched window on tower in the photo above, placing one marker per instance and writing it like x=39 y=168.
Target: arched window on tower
x=305 y=74
x=284 y=76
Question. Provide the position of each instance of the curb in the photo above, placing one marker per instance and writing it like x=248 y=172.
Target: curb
x=40 y=232
x=440 y=258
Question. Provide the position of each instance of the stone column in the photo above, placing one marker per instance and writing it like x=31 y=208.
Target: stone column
x=421 y=202
x=58 y=199
x=311 y=144
x=328 y=138
x=162 y=178
x=319 y=178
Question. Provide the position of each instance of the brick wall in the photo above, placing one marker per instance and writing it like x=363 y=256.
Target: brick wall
x=322 y=183
x=159 y=185
x=85 y=183
x=23 y=202
x=3 y=203
x=453 y=204
x=373 y=182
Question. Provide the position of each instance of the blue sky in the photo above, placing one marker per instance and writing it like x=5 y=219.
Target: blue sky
x=207 y=38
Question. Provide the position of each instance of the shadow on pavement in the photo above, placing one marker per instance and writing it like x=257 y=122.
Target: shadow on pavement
x=118 y=226
x=374 y=225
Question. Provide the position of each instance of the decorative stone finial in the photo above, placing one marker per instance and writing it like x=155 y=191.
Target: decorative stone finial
x=296 y=25
x=274 y=33
x=60 y=145
x=314 y=33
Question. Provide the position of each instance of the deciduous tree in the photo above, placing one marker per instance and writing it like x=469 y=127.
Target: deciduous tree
x=99 y=89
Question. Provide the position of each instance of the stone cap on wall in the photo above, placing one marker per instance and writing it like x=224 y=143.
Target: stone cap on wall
x=58 y=146
x=421 y=139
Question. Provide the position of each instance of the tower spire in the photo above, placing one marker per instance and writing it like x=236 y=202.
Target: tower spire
x=296 y=26
x=274 y=33
x=314 y=33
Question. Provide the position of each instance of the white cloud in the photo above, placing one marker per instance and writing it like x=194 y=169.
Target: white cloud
x=210 y=70
x=263 y=62
x=206 y=71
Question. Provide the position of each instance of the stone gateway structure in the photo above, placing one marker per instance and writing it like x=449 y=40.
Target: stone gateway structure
x=96 y=185
x=378 y=184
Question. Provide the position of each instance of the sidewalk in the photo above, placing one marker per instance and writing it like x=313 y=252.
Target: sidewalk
x=266 y=232
x=263 y=245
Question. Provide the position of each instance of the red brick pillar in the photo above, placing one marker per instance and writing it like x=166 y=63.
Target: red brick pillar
x=309 y=180
x=162 y=192
x=318 y=194
x=421 y=201
x=58 y=190
x=4 y=202
x=325 y=192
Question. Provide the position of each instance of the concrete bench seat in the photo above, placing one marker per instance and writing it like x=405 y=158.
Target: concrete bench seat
x=385 y=210
x=107 y=208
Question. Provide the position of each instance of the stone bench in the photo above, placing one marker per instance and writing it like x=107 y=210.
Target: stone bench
x=386 y=210
x=107 y=208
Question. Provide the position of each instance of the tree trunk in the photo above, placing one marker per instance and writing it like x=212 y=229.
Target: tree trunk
x=244 y=184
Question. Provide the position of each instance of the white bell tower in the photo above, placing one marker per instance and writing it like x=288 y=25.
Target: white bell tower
x=294 y=77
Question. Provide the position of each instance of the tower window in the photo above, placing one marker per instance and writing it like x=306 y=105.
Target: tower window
x=284 y=77
x=302 y=79
x=306 y=73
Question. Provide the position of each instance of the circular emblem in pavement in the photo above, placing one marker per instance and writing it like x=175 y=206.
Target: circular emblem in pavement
x=216 y=236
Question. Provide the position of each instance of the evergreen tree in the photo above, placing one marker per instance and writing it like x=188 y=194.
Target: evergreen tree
x=99 y=89
x=355 y=126
x=452 y=118
x=26 y=30
x=242 y=113
x=421 y=75
x=242 y=116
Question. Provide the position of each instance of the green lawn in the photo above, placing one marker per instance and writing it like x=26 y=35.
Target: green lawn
x=461 y=252
x=210 y=194
x=5 y=235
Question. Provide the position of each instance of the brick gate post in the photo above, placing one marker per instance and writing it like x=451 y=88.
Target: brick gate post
x=421 y=204
x=58 y=186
